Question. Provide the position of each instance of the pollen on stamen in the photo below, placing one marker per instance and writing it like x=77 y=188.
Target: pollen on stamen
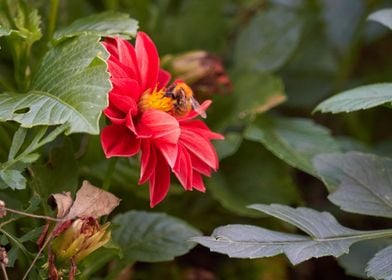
x=156 y=100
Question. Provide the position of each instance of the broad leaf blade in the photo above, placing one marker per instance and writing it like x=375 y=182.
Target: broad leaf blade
x=356 y=261
x=296 y=141
x=257 y=93
x=360 y=98
x=261 y=45
x=106 y=24
x=363 y=182
x=383 y=16
x=70 y=87
x=326 y=236
x=245 y=178
x=152 y=237
x=380 y=266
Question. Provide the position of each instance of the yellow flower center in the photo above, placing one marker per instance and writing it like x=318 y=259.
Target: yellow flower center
x=156 y=100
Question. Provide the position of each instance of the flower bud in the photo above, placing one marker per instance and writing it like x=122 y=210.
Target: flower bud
x=201 y=70
x=80 y=239
x=3 y=211
x=3 y=256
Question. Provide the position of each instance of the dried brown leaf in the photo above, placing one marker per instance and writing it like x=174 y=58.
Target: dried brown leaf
x=63 y=203
x=92 y=202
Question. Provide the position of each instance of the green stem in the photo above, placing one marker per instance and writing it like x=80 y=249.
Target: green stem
x=54 y=7
x=109 y=173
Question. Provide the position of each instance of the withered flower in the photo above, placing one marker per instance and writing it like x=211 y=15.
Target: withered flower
x=203 y=71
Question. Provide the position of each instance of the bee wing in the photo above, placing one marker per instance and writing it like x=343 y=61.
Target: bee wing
x=197 y=108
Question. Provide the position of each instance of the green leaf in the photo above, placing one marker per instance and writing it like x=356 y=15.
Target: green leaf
x=383 y=16
x=152 y=237
x=4 y=31
x=107 y=24
x=380 y=267
x=229 y=146
x=13 y=178
x=17 y=142
x=28 y=25
x=362 y=182
x=309 y=74
x=363 y=97
x=294 y=140
x=355 y=262
x=325 y=236
x=257 y=93
x=58 y=175
x=268 y=41
x=70 y=87
x=252 y=175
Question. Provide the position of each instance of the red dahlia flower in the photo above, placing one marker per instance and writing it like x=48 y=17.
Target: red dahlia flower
x=144 y=119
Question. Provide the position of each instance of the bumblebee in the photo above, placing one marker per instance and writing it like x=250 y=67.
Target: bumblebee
x=183 y=99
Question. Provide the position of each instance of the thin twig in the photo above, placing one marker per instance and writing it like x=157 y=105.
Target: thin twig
x=4 y=271
x=33 y=215
x=38 y=254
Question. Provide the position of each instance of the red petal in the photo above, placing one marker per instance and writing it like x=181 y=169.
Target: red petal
x=198 y=183
x=183 y=168
x=148 y=61
x=129 y=122
x=148 y=162
x=159 y=181
x=114 y=115
x=163 y=78
x=193 y=114
x=200 y=147
x=111 y=46
x=122 y=103
x=159 y=125
x=117 y=69
x=200 y=166
x=168 y=150
x=119 y=141
x=200 y=128
x=127 y=56
x=126 y=87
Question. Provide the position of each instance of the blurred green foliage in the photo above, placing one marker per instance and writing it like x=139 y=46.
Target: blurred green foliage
x=292 y=53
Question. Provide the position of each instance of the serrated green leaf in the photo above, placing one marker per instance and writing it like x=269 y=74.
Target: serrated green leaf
x=325 y=236
x=294 y=140
x=356 y=261
x=152 y=237
x=362 y=182
x=360 y=98
x=106 y=24
x=70 y=86
x=252 y=175
x=380 y=266
x=383 y=16
x=269 y=39
x=13 y=178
